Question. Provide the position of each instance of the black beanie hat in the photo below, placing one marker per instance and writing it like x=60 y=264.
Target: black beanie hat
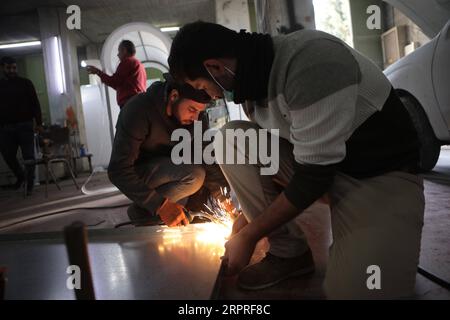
x=186 y=91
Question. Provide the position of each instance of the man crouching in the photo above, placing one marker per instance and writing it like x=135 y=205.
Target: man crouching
x=141 y=166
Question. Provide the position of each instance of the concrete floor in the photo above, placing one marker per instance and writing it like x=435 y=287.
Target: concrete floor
x=435 y=252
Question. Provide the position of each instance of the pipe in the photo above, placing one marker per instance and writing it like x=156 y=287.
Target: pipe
x=2 y=283
x=75 y=236
x=434 y=278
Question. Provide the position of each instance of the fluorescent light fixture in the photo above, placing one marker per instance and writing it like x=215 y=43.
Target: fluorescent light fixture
x=20 y=44
x=169 y=29
x=83 y=64
x=58 y=65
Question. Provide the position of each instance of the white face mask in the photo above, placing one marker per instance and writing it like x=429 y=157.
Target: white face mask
x=229 y=95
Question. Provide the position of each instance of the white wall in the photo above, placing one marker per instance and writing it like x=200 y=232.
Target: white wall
x=233 y=14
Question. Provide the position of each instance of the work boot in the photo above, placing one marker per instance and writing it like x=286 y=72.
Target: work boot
x=142 y=217
x=272 y=270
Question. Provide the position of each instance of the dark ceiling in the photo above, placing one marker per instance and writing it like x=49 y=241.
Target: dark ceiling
x=19 y=19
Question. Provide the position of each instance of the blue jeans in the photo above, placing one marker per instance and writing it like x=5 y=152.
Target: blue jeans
x=13 y=136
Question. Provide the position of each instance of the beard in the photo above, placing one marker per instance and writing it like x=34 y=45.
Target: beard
x=175 y=112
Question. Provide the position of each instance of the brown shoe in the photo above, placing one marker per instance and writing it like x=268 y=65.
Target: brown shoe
x=272 y=270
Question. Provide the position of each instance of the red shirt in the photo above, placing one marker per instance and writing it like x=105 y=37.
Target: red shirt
x=129 y=79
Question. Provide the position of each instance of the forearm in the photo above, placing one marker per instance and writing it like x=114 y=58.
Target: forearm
x=278 y=213
x=108 y=80
x=35 y=105
x=123 y=168
x=38 y=116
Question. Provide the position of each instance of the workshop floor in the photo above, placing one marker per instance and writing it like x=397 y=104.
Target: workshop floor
x=435 y=253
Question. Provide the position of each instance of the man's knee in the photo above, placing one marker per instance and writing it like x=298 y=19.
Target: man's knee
x=194 y=178
x=224 y=142
x=238 y=124
x=361 y=266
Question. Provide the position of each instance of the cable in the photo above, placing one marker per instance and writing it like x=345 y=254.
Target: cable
x=99 y=191
x=432 y=277
x=60 y=212
x=139 y=223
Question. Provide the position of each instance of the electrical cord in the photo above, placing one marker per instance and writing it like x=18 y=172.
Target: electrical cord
x=434 y=278
x=138 y=223
x=88 y=192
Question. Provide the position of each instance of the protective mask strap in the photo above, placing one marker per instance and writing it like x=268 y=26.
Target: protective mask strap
x=217 y=82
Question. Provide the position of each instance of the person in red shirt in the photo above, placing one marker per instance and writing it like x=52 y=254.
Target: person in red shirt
x=130 y=77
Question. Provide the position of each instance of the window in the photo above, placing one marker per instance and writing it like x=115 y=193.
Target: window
x=333 y=17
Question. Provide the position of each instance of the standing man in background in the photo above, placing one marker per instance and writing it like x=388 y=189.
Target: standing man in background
x=130 y=77
x=19 y=106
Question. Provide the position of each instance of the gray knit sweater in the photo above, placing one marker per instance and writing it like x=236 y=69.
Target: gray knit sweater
x=323 y=95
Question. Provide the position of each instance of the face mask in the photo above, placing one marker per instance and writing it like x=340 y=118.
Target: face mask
x=228 y=95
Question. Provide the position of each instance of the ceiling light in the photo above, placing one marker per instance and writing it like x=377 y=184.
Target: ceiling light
x=20 y=44
x=169 y=29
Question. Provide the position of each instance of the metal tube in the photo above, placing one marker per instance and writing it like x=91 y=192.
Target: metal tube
x=75 y=236
x=2 y=282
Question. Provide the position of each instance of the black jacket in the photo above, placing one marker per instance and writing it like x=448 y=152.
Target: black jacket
x=19 y=101
x=143 y=131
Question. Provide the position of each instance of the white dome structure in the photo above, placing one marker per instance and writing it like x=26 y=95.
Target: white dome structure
x=152 y=46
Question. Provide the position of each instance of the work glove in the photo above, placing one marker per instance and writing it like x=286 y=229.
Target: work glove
x=172 y=214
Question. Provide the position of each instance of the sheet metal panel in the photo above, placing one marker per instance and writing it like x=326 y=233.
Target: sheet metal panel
x=136 y=263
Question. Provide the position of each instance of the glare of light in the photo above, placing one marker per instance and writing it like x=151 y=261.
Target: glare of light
x=209 y=240
x=169 y=29
x=59 y=65
x=20 y=44
x=213 y=233
x=83 y=64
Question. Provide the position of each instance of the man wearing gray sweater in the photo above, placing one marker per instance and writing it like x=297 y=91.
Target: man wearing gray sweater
x=344 y=137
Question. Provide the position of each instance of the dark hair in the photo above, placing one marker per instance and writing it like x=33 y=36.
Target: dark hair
x=7 y=60
x=197 y=42
x=185 y=90
x=127 y=44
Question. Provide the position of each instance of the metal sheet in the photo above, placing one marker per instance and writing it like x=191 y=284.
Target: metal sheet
x=138 y=263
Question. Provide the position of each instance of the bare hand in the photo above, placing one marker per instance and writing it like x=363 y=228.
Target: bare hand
x=238 y=252
x=92 y=70
x=238 y=224
x=172 y=214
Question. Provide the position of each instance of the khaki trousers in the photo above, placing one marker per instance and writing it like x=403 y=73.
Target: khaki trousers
x=376 y=224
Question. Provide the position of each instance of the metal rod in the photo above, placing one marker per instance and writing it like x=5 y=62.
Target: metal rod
x=430 y=276
x=2 y=282
x=216 y=292
x=75 y=236
x=110 y=118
